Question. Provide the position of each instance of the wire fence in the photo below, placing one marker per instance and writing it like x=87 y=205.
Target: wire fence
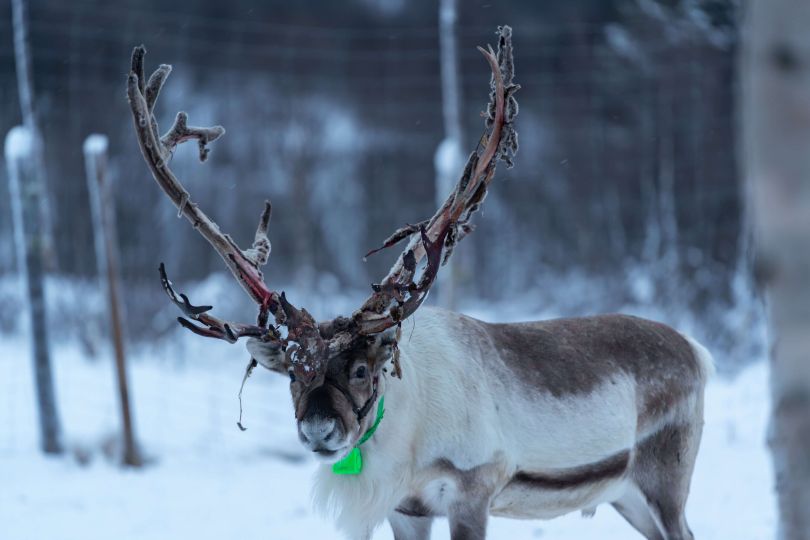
x=603 y=122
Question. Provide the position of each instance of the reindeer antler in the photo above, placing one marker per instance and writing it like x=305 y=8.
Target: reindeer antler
x=245 y=265
x=398 y=295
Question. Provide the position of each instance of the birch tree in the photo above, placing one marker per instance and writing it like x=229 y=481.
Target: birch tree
x=776 y=118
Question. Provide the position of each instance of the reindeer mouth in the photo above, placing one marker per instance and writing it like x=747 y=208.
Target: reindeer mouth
x=329 y=456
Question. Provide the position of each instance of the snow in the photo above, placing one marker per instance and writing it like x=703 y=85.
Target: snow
x=95 y=144
x=206 y=479
x=19 y=143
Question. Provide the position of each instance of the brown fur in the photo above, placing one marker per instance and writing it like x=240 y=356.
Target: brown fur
x=326 y=400
x=611 y=467
x=573 y=356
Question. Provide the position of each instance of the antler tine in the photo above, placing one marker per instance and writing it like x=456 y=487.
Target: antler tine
x=212 y=327
x=309 y=345
x=157 y=151
x=397 y=296
x=260 y=251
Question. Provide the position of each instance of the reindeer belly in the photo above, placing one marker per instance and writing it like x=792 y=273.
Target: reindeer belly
x=570 y=453
x=547 y=457
x=524 y=495
x=551 y=493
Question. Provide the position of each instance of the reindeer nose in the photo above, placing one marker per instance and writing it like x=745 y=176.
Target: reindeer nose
x=317 y=431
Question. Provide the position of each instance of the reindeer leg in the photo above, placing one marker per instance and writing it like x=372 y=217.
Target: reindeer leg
x=663 y=470
x=468 y=519
x=410 y=527
x=634 y=508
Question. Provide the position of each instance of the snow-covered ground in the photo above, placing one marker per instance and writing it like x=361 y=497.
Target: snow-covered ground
x=206 y=479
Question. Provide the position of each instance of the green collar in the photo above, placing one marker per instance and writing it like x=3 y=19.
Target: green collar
x=353 y=463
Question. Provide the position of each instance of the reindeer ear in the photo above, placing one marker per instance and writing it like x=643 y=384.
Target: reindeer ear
x=268 y=354
x=381 y=350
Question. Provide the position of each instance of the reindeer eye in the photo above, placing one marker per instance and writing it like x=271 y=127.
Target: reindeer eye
x=360 y=372
x=292 y=376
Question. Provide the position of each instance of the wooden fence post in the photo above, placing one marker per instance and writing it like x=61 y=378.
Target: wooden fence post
x=104 y=231
x=26 y=192
x=25 y=91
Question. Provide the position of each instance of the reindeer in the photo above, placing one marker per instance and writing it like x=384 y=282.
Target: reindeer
x=529 y=421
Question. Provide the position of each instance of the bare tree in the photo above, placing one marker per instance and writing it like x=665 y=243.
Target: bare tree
x=101 y=201
x=776 y=114
x=26 y=190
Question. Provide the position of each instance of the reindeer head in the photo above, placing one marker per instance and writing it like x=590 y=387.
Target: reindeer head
x=338 y=406
x=334 y=366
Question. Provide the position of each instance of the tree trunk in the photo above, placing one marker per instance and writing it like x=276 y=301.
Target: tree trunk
x=26 y=190
x=101 y=204
x=776 y=115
